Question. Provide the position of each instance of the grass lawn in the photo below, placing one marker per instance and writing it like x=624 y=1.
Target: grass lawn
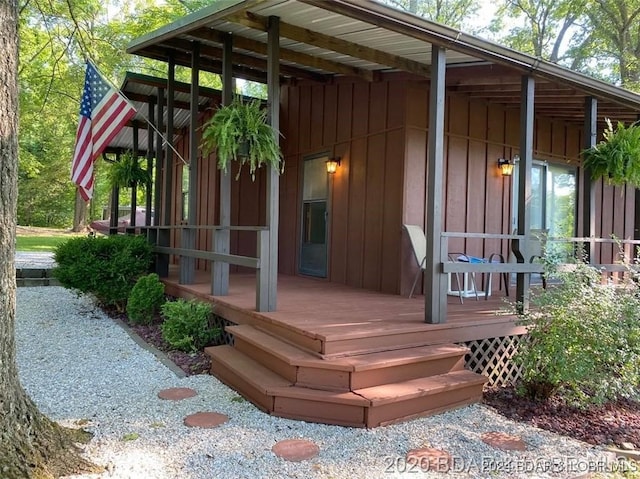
x=41 y=239
x=39 y=243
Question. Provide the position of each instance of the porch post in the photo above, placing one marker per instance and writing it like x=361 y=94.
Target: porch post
x=524 y=179
x=162 y=260
x=588 y=187
x=188 y=264
x=221 y=238
x=273 y=175
x=115 y=206
x=134 y=195
x=150 y=155
x=435 y=297
x=164 y=238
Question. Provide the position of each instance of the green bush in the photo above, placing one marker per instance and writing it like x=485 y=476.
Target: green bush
x=145 y=300
x=107 y=267
x=187 y=324
x=583 y=343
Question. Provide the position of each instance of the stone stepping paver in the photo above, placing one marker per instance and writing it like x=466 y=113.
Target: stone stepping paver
x=504 y=441
x=176 y=394
x=430 y=459
x=205 y=419
x=295 y=450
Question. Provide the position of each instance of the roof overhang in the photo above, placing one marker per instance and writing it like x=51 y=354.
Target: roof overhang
x=142 y=92
x=321 y=40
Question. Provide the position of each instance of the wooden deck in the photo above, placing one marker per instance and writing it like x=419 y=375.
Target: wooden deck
x=333 y=320
x=346 y=356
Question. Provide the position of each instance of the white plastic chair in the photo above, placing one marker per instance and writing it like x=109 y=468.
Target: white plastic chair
x=419 y=245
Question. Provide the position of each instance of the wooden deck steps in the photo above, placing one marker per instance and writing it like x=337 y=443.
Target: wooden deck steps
x=364 y=390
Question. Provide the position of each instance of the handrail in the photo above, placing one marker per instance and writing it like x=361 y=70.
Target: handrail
x=448 y=266
x=259 y=262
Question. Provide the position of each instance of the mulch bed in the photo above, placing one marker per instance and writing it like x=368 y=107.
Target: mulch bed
x=190 y=363
x=607 y=425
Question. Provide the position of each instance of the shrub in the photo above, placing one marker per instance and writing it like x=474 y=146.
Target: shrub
x=583 y=343
x=107 y=267
x=145 y=300
x=187 y=324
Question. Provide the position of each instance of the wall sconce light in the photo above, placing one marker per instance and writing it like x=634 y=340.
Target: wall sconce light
x=506 y=166
x=332 y=164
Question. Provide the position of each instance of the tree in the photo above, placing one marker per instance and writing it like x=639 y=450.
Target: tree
x=30 y=444
x=543 y=26
x=452 y=13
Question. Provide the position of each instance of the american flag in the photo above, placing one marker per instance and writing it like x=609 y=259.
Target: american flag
x=103 y=113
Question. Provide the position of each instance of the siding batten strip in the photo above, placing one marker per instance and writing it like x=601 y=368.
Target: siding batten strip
x=524 y=181
x=436 y=284
x=150 y=154
x=222 y=238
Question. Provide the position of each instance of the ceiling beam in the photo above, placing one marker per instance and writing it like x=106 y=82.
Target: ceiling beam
x=300 y=58
x=328 y=42
x=243 y=59
x=182 y=105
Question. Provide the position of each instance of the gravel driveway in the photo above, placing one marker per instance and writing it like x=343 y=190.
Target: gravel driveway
x=83 y=369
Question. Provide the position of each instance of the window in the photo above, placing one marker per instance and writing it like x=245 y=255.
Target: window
x=553 y=199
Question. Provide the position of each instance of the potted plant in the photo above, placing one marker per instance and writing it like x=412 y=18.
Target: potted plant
x=240 y=132
x=617 y=157
x=128 y=172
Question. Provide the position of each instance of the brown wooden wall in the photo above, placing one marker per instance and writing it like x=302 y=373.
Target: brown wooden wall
x=379 y=130
x=363 y=123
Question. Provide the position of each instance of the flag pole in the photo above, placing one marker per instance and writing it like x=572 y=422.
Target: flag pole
x=164 y=138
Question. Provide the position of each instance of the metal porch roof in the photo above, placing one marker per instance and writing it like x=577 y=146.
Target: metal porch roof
x=142 y=89
x=321 y=39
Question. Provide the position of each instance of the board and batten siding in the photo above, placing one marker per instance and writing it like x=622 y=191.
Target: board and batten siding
x=379 y=130
x=363 y=124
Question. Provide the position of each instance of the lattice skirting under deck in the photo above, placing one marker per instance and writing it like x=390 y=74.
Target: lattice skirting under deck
x=220 y=322
x=493 y=357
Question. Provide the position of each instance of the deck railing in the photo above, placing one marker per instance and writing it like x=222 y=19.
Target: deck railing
x=579 y=244
x=259 y=262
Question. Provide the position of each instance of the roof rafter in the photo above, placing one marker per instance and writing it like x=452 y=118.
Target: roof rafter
x=244 y=43
x=241 y=59
x=328 y=42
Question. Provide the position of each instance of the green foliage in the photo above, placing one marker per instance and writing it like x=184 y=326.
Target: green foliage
x=237 y=123
x=146 y=299
x=107 y=267
x=128 y=172
x=187 y=324
x=617 y=157
x=583 y=343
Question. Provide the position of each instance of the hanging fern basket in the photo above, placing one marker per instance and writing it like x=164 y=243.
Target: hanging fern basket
x=128 y=172
x=240 y=132
x=617 y=157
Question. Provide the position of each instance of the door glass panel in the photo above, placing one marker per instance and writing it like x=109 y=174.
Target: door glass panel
x=313 y=247
x=537 y=197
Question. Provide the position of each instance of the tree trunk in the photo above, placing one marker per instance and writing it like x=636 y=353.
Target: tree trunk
x=30 y=444
x=80 y=214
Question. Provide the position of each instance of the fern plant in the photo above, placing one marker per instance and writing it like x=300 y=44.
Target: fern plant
x=617 y=157
x=128 y=172
x=240 y=132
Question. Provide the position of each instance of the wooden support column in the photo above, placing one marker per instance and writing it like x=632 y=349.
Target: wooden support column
x=115 y=207
x=149 y=189
x=166 y=158
x=157 y=196
x=134 y=187
x=588 y=187
x=221 y=238
x=435 y=296
x=187 y=264
x=524 y=181
x=273 y=175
